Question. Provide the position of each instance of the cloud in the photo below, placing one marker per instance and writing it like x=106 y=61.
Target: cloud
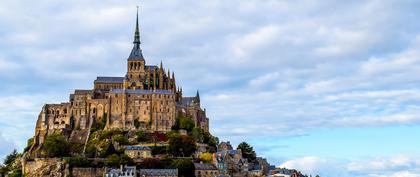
x=6 y=147
x=373 y=167
x=264 y=68
x=245 y=46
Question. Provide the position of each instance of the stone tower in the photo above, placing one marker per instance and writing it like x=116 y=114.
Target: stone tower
x=135 y=77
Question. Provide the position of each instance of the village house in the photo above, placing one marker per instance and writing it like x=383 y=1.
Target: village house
x=205 y=170
x=138 y=152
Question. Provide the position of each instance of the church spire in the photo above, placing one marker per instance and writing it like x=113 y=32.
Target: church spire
x=136 y=53
x=137 y=32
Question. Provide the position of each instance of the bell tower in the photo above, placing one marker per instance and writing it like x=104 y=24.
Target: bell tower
x=135 y=63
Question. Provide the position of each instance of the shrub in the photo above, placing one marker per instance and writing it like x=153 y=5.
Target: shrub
x=29 y=144
x=78 y=161
x=56 y=146
x=185 y=167
x=183 y=122
x=120 y=139
x=206 y=157
x=112 y=160
x=159 y=150
x=182 y=146
x=142 y=136
x=151 y=163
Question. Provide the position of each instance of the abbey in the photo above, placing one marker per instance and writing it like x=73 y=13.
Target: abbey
x=146 y=98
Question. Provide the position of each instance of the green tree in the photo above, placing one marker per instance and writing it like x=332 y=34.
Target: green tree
x=198 y=134
x=142 y=136
x=90 y=150
x=78 y=161
x=29 y=144
x=11 y=158
x=185 y=167
x=126 y=160
x=108 y=150
x=120 y=139
x=56 y=146
x=112 y=160
x=182 y=146
x=183 y=122
x=247 y=151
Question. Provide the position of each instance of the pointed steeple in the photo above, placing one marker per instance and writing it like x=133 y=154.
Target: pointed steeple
x=136 y=53
x=137 y=32
x=197 y=98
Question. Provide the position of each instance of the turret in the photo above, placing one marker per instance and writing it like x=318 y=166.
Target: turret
x=197 y=98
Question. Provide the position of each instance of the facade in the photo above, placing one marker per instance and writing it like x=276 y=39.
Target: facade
x=138 y=152
x=158 y=172
x=145 y=98
x=127 y=171
x=205 y=170
x=231 y=162
x=224 y=146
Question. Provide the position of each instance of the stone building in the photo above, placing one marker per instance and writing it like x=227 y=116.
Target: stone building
x=231 y=162
x=138 y=152
x=205 y=170
x=146 y=98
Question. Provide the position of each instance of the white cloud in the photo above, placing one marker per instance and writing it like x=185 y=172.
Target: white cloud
x=263 y=81
x=6 y=147
x=244 y=47
x=400 y=165
x=275 y=67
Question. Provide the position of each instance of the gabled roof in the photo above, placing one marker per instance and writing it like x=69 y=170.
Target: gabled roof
x=139 y=91
x=146 y=148
x=79 y=92
x=153 y=172
x=204 y=166
x=150 y=67
x=109 y=80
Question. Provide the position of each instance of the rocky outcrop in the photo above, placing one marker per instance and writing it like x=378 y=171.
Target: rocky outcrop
x=45 y=167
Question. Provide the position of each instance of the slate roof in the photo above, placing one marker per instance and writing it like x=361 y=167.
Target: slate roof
x=78 y=91
x=136 y=53
x=187 y=101
x=109 y=80
x=138 y=91
x=162 y=172
x=138 y=148
x=150 y=67
x=204 y=166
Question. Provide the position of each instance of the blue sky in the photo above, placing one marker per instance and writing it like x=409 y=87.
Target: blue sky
x=328 y=87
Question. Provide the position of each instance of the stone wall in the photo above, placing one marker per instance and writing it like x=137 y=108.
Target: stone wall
x=88 y=172
x=44 y=167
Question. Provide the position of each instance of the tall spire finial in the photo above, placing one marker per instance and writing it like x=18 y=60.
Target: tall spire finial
x=137 y=33
x=136 y=53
